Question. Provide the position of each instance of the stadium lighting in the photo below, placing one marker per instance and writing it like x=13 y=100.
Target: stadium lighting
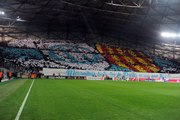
x=170 y=35
x=19 y=19
x=2 y=13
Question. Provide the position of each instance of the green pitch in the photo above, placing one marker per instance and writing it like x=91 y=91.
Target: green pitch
x=90 y=100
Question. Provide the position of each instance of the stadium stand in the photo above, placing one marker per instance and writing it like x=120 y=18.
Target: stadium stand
x=29 y=43
x=126 y=58
x=114 y=67
x=77 y=56
x=166 y=65
x=70 y=55
x=63 y=54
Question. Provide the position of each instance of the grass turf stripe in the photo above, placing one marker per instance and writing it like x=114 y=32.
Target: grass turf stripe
x=24 y=102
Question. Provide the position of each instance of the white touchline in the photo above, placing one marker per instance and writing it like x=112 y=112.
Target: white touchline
x=24 y=102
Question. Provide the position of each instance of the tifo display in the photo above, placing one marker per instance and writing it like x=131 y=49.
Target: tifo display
x=30 y=55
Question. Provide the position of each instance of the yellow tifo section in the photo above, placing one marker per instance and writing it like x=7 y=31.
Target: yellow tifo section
x=118 y=62
x=98 y=47
x=134 y=60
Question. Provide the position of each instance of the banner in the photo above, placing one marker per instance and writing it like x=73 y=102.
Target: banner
x=119 y=75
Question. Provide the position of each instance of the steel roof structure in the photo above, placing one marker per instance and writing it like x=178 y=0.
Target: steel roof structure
x=140 y=20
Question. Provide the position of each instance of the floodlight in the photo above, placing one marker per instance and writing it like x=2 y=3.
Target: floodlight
x=2 y=13
x=169 y=35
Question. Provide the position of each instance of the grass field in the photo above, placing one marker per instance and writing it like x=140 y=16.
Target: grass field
x=90 y=100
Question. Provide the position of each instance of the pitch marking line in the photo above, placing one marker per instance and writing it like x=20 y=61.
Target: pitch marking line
x=24 y=102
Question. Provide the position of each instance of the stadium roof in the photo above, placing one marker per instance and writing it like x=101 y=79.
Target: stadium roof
x=117 y=17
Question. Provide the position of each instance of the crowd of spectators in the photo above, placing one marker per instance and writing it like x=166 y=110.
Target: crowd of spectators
x=127 y=58
x=36 y=53
x=166 y=65
x=53 y=54
x=30 y=43
x=78 y=56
